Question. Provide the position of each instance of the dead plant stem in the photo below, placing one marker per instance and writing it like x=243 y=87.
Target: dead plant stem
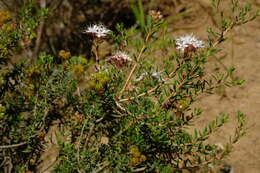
x=13 y=145
x=134 y=66
x=89 y=135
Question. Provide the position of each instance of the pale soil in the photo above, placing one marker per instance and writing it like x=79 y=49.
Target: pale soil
x=245 y=98
x=242 y=51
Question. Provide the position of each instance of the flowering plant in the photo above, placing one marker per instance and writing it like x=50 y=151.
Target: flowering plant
x=139 y=120
x=188 y=40
x=131 y=111
x=97 y=31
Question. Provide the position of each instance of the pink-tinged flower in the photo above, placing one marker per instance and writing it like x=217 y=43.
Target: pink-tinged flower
x=97 y=31
x=122 y=55
x=156 y=15
x=26 y=43
x=188 y=40
x=119 y=59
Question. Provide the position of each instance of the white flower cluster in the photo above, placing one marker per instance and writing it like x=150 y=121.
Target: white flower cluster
x=122 y=56
x=97 y=31
x=141 y=77
x=155 y=75
x=184 y=42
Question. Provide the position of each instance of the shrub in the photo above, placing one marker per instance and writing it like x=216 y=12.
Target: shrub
x=126 y=113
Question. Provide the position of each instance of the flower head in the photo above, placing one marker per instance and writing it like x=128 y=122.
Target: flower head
x=122 y=55
x=187 y=40
x=97 y=31
x=119 y=59
x=156 y=15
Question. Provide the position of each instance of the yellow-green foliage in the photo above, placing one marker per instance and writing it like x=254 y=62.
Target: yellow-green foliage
x=77 y=64
x=99 y=80
x=64 y=54
x=78 y=69
x=2 y=111
x=7 y=37
x=5 y=16
x=34 y=71
x=83 y=61
x=8 y=28
x=3 y=73
x=137 y=156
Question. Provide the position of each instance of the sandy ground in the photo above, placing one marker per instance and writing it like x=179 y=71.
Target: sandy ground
x=246 y=98
x=242 y=51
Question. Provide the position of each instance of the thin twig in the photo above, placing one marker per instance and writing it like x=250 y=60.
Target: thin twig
x=151 y=90
x=100 y=168
x=24 y=143
x=131 y=123
x=140 y=95
x=173 y=94
x=13 y=145
x=179 y=87
x=171 y=75
x=223 y=34
x=96 y=52
x=131 y=72
x=81 y=134
x=39 y=32
x=89 y=135
x=134 y=67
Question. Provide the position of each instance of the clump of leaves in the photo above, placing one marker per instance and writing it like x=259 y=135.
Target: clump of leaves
x=17 y=31
x=128 y=119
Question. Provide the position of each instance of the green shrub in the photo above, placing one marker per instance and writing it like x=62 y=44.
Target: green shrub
x=127 y=113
